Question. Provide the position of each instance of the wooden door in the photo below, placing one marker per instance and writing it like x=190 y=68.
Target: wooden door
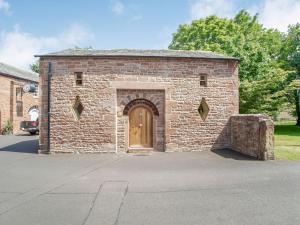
x=140 y=127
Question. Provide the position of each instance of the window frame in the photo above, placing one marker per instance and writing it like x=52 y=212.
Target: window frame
x=19 y=108
x=75 y=106
x=78 y=80
x=19 y=93
x=35 y=94
x=203 y=80
x=203 y=109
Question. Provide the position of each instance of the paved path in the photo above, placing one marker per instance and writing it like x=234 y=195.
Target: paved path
x=161 y=188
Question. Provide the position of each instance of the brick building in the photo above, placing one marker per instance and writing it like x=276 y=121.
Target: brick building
x=15 y=105
x=146 y=100
x=128 y=100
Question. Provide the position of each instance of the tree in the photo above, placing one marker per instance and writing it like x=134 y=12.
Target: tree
x=291 y=58
x=297 y=104
x=35 y=67
x=266 y=95
x=258 y=49
x=243 y=37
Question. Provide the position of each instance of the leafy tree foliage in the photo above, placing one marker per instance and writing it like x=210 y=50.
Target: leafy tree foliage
x=291 y=58
x=265 y=95
x=291 y=48
x=243 y=37
x=263 y=70
x=35 y=67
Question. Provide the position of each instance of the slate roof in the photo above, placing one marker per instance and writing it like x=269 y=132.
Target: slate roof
x=12 y=71
x=138 y=53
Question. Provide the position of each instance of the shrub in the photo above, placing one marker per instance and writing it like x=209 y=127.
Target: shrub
x=8 y=128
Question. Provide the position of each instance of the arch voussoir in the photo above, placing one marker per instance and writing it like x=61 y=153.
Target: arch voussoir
x=140 y=101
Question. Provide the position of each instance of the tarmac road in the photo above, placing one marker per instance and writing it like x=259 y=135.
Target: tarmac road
x=206 y=188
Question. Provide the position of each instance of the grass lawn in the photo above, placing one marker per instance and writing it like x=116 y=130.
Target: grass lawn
x=287 y=140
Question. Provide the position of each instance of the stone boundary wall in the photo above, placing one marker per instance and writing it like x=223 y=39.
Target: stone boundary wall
x=253 y=135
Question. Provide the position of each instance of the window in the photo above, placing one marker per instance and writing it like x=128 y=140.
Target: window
x=19 y=93
x=19 y=108
x=19 y=102
x=35 y=94
x=203 y=80
x=77 y=108
x=203 y=109
x=78 y=78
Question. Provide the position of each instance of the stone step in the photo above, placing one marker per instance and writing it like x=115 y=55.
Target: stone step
x=140 y=150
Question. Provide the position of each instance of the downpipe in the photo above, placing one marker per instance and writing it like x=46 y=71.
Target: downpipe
x=49 y=104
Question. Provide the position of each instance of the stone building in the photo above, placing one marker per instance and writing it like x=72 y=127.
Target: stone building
x=15 y=105
x=136 y=100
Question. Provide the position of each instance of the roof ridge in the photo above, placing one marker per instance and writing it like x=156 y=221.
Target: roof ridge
x=16 y=68
x=139 y=53
x=135 y=49
x=10 y=70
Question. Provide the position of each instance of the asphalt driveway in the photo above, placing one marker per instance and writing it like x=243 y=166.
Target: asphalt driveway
x=160 y=188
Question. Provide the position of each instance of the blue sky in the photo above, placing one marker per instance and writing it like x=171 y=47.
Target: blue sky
x=32 y=27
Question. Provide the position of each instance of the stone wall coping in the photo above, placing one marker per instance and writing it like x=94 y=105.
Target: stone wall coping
x=245 y=115
x=258 y=116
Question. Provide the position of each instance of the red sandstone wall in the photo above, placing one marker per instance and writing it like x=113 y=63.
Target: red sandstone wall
x=96 y=130
x=4 y=101
x=253 y=135
x=8 y=102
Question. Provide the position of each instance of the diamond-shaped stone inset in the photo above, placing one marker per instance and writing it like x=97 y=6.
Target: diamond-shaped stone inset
x=203 y=109
x=78 y=108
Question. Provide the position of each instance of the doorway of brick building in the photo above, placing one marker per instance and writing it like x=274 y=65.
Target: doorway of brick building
x=140 y=128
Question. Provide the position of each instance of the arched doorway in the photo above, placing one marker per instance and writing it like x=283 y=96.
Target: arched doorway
x=34 y=113
x=140 y=121
x=140 y=127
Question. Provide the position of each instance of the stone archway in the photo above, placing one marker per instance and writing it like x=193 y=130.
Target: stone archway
x=140 y=101
x=33 y=113
x=150 y=102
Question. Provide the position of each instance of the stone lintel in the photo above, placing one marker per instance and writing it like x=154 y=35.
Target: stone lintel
x=129 y=85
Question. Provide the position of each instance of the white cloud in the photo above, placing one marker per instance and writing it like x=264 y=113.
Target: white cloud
x=131 y=11
x=203 y=8
x=18 y=47
x=280 y=13
x=118 y=8
x=4 y=6
x=272 y=13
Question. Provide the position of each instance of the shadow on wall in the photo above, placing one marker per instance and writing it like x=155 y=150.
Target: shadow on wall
x=30 y=146
x=221 y=146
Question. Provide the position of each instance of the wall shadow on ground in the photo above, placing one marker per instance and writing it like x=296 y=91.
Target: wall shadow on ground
x=223 y=139
x=228 y=153
x=30 y=146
